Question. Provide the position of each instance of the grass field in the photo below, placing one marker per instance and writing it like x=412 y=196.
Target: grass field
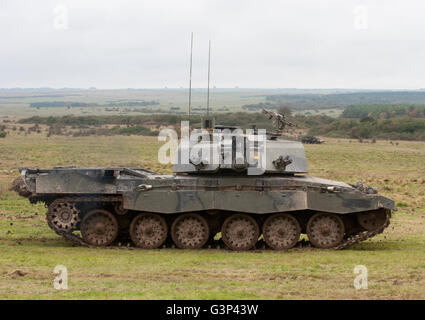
x=16 y=104
x=395 y=259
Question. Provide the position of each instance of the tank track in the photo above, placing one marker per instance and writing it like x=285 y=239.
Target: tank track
x=362 y=236
x=77 y=240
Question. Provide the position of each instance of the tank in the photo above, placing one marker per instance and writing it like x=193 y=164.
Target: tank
x=311 y=140
x=262 y=198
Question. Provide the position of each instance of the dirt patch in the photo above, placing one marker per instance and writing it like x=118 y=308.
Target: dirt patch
x=18 y=272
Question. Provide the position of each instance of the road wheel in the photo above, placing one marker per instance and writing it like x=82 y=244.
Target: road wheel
x=281 y=231
x=240 y=232
x=148 y=230
x=190 y=231
x=325 y=230
x=99 y=228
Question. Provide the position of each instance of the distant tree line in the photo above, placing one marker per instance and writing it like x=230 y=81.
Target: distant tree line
x=53 y=104
x=130 y=130
x=368 y=127
x=405 y=128
x=141 y=103
x=343 y=100
x=84 y=121
x=241 y=119
x=384 y=111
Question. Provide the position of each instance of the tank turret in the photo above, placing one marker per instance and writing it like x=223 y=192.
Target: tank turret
x=211 y=149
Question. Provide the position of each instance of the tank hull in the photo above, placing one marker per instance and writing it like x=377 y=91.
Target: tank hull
x=214 y=197
x=259 y=195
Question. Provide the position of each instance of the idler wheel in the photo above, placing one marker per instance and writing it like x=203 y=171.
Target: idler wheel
x=190 y=231
x=63 y=215
x=240 y=232
x=325 y=230
x=281 y=231
x=99 y=228
x=372 y=220
x=148 y=230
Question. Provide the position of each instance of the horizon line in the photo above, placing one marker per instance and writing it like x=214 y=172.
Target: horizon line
x=202 y=88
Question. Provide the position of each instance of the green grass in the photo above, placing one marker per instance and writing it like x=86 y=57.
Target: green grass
x=395 y=259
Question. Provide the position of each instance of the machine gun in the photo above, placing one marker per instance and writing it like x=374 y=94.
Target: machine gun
x=279 y=119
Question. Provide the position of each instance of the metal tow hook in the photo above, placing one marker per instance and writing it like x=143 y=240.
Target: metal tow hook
x=144 y=187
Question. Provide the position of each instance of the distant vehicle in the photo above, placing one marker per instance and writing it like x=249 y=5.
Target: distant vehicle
x=111 y=205
x=311 y=140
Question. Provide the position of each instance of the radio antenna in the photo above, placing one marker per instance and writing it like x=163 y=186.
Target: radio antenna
x=209 y=67
x=190 y=73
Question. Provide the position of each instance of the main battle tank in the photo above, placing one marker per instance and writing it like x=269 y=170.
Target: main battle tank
x=238 y=203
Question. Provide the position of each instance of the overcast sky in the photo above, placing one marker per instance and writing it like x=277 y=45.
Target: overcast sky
x=255 y=44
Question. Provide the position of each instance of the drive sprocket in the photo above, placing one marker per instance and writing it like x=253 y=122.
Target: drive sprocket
x=63 y=215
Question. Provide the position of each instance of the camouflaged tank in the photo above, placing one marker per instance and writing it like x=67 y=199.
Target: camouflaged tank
x=205 y=204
